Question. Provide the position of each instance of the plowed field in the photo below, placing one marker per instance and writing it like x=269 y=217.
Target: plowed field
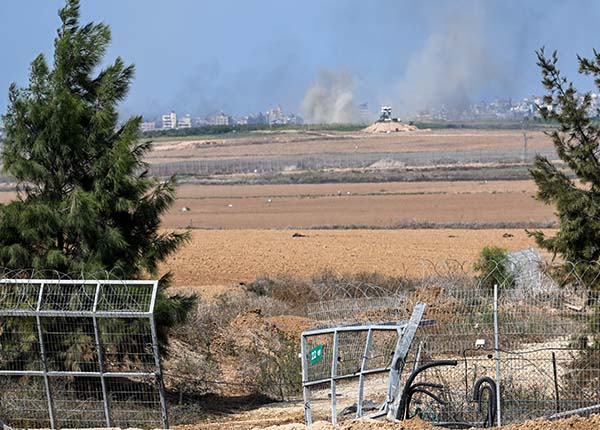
x=232 y=256
x=368 y=204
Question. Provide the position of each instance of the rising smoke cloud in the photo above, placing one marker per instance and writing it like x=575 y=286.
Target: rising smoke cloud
x=456 y=62
x=330 y=99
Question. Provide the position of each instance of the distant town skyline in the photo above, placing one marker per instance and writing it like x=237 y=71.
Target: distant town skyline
x=315 y=58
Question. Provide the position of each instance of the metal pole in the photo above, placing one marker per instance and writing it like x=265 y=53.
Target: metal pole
x=361 y=377
x=334 y=361
x=497 y=354
x=305 y=388
x=556 y=382
x=159 y=373
x=38 y=320
x=418 y=356
x=101 y=360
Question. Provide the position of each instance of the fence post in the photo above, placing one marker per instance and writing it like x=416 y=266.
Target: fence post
x=101 y=359
x=363 y=368
x=497 y=354
x=38 y=321
x=334 y=362
x=158 y=370
x=305 y=389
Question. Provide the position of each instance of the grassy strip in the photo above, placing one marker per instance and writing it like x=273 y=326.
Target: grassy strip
x=416 y=225
x=229 y=131
x=431 y=225
x=459 y=173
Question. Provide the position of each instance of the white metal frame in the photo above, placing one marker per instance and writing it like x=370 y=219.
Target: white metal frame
x=405 y=330
x=38 y=312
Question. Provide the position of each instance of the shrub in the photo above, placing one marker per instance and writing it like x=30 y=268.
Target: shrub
x=492 y=267
x=280 y=373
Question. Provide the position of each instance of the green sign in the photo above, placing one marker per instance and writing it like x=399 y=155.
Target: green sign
x=316 y=354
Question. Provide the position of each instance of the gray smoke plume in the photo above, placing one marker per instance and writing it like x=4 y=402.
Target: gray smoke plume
x=330 y=99
x=455 y=62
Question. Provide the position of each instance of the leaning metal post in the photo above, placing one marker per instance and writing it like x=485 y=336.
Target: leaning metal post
x=159 y=373
x=402 y=347
x=497 y=354
x=101 y=358
x=38 y=321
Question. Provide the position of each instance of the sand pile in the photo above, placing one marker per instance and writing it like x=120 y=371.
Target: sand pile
x=250 y=330
x=389 y=127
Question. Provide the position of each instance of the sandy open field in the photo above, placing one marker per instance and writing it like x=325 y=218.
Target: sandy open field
x=374 y=204
x=232 y=256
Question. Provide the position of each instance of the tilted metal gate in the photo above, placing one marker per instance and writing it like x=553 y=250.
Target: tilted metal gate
x=80 y=353
x=341 y=353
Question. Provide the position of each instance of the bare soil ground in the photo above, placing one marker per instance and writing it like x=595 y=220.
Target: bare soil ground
x=389 y=204
x=222 y=257
x=356 y=142
x=289 y=416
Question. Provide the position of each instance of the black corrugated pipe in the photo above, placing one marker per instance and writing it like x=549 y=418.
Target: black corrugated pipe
x=410 y=389
x=482 y=385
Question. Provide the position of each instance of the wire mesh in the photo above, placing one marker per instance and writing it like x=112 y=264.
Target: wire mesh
x=23 y=401
x=269 y=164
x=79 y=353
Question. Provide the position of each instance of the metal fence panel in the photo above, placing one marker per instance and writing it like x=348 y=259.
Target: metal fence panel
x=80 y=353
x=340 y=354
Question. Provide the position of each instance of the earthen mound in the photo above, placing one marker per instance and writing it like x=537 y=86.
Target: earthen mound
x=389 y=127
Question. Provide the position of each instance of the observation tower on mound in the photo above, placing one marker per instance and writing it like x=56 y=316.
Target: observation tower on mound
x=388 y=124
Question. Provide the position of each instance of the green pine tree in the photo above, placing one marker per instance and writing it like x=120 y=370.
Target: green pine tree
x=85 y=201
x=576 y=139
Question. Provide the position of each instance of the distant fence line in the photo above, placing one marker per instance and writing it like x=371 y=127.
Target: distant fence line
x=260 y=164
x=374 y=160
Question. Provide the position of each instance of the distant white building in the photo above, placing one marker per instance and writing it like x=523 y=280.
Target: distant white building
x=169 y=120
x=147 y=126
x=276 y=116
x=221 y=119
x=185 y=122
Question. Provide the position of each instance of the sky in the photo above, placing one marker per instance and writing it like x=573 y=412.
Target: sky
x=241 y=56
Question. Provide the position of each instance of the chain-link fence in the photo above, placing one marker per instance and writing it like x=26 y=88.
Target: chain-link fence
x=79 y=353
x=519 y=340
